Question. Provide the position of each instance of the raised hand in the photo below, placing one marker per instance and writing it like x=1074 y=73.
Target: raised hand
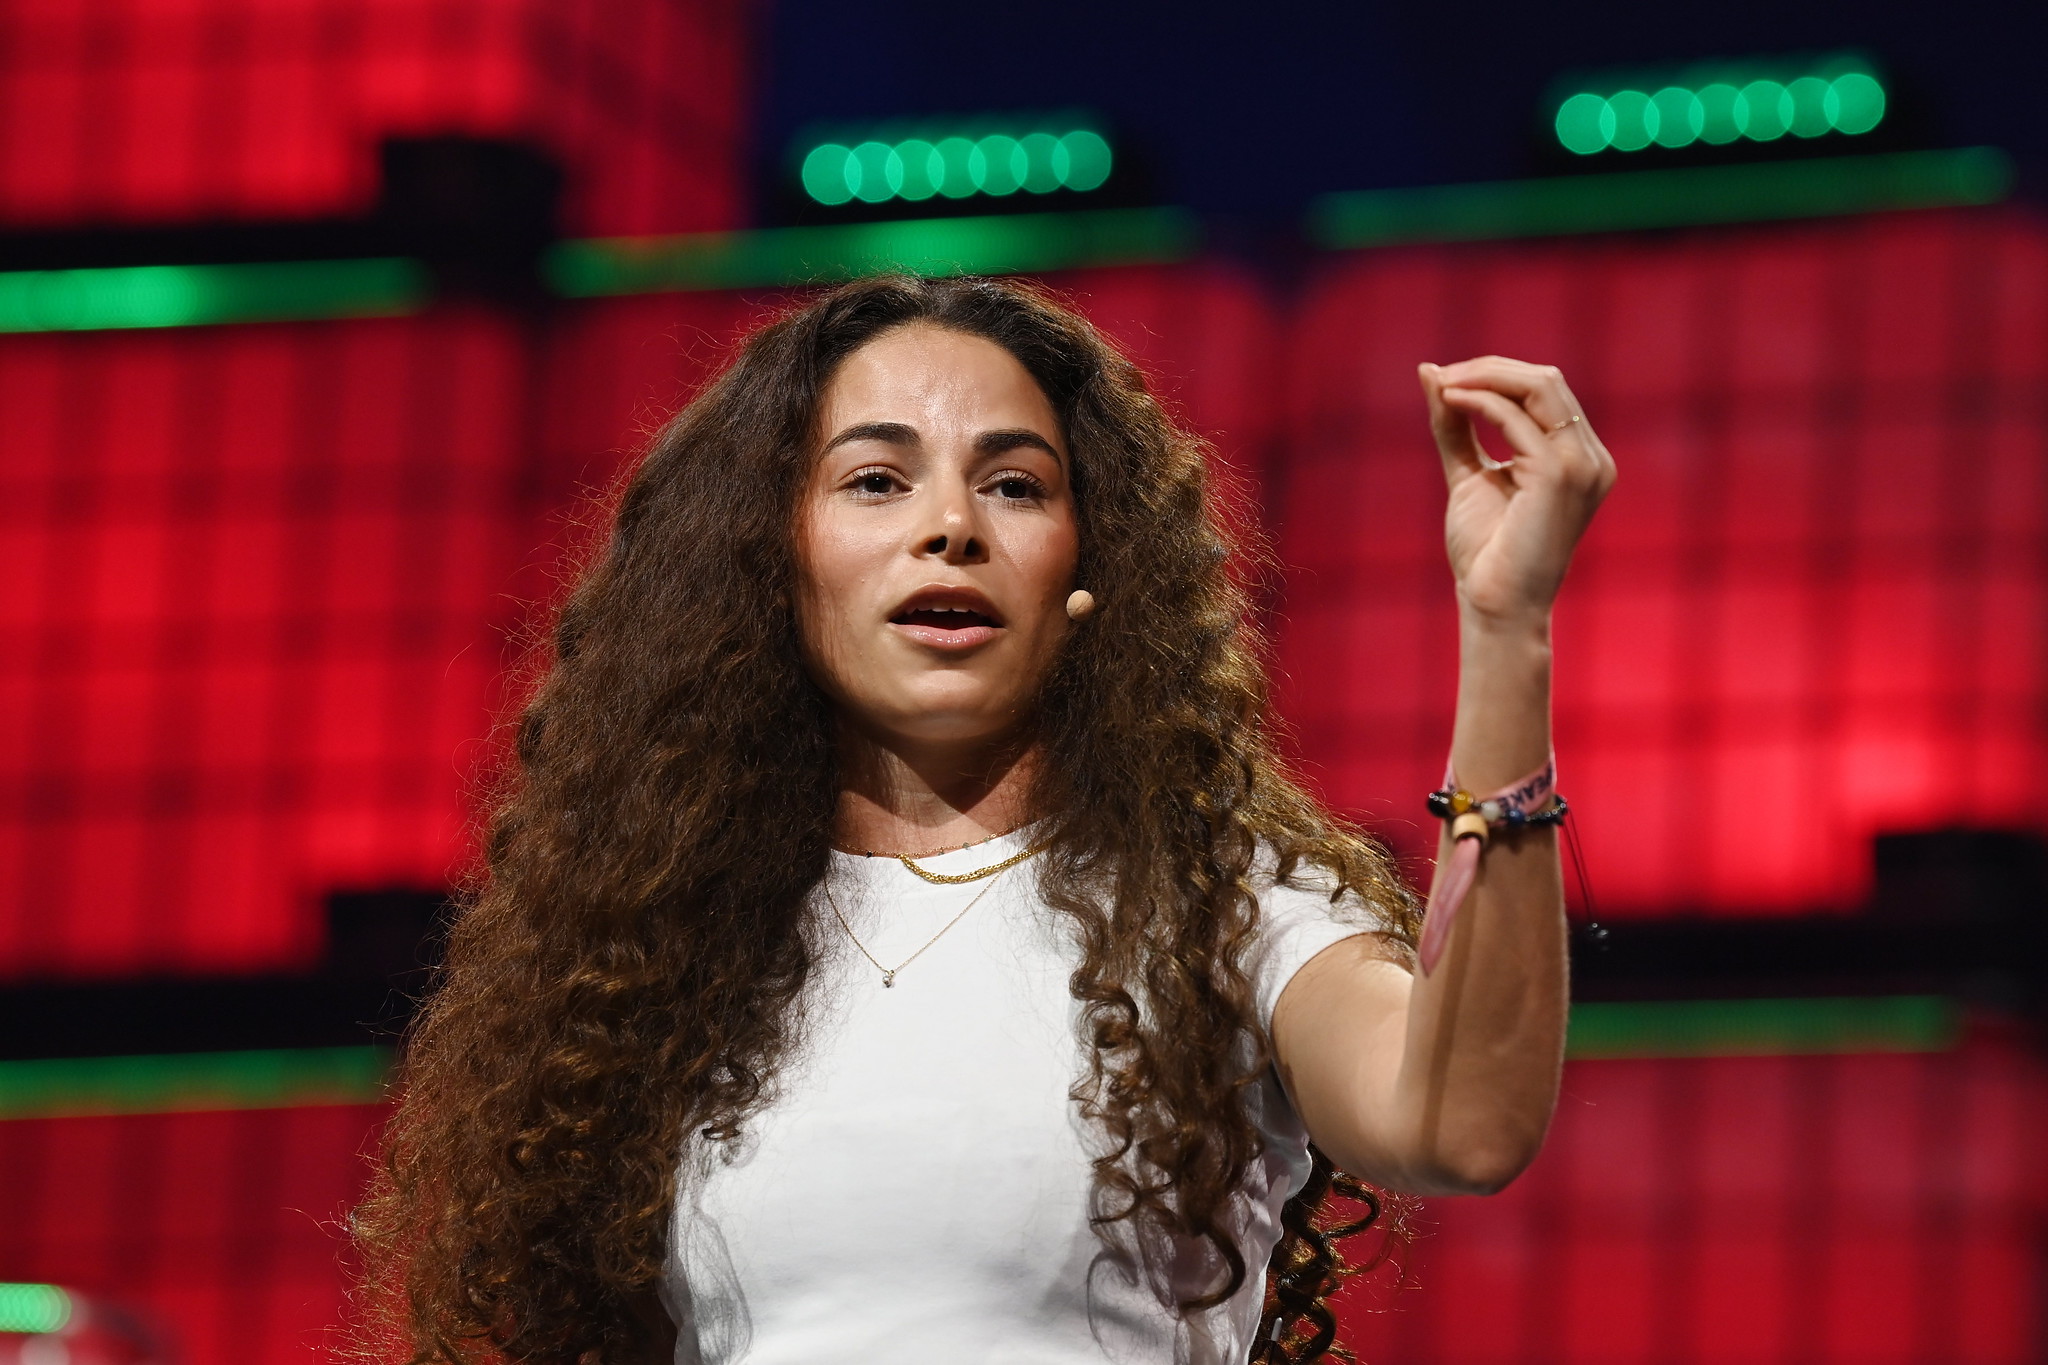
x=1511 y=525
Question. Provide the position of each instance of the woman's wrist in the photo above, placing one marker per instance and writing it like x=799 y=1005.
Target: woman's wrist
x=1503 y=718
x=1501 y=655
x=1513 y=627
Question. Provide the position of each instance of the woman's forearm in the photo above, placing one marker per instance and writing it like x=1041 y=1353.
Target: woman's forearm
x=1485 y=1031
x=1444 y=1082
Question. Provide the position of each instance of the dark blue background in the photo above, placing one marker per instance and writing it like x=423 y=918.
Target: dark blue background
x=1249 y=109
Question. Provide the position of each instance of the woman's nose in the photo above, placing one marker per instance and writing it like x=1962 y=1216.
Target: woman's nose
x=953 y=534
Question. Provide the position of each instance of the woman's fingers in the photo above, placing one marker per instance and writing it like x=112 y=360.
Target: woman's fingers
x=1529 y=440
x=1456 y=440
x=1539 y=388
x=1511 y=534
x=1507 y=393
x=1531 y=405
x=1571 y=449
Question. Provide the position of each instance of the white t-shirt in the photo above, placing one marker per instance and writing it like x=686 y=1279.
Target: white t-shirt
x=917 y=1187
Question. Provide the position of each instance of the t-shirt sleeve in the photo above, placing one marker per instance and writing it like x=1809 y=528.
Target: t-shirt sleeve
x=1296 y=922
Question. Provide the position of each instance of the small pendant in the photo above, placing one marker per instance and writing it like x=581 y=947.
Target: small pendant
x=888 y=978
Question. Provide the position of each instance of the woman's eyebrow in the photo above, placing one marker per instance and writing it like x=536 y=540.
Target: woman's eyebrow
x=894 y=433
x=1012 y=438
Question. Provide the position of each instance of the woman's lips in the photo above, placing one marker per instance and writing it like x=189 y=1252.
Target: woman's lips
x=945 y=628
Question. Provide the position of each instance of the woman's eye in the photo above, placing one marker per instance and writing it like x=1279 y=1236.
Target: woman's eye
x=876 y=483
x=1016 y=488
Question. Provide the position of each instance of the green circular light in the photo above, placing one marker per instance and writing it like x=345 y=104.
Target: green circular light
x=1717 y=113
x=1855 y=103
x=824 y=174
x=1040 y=176
x=1764 y=111
x=1809 y=106
x=37 y=1309
x=1635 y=120
x=1584 y=124
x=1680 y=117
x=923 y=169
x=956 y=156
x=1001 y=160
x=870 y=170
x=1082 y=160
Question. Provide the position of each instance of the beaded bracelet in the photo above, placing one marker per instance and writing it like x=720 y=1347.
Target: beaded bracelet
x=1448 y=803
x=1531 y=803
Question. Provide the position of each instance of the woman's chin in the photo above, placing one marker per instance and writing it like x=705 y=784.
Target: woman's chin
x=948 y=715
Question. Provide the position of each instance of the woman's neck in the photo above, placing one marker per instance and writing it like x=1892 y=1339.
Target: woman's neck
x=920 y=798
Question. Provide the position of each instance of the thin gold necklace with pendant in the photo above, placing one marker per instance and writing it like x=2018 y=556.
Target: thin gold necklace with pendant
x=889 y=973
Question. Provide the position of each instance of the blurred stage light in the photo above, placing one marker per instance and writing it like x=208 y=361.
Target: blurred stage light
x=271 y=1078
x=985 y=244
x=1764 y=1027
x=201 y=295
x=1720 y=106
x=1663 y=197
x=36 y=1308
x=953 y=165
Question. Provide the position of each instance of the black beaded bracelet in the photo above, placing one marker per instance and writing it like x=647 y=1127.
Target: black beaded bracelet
x=1448 y=803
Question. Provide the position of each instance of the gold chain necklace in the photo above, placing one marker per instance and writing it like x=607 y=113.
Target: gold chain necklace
x=958 y=878
x=955 y=878
x=889 y=973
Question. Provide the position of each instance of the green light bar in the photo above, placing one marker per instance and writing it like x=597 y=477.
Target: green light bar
x=1763 y=1028
x=997 y=245
x=285 y=1078
x=201 y=295
x=76 y=1087
x=1691 y=197
x=918 y=168
x=1839 y=95
x=34 y=1308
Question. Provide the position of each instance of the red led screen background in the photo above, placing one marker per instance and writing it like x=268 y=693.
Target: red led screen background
x=260 y=588
x=1816 y=606
x=1729 y=1211
x=263 y=582
x=222 y=1229
x=1872 y=1210
x=172 y=110
x=255 y=609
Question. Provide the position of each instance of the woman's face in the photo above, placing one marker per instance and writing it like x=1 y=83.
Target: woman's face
x=937 y=539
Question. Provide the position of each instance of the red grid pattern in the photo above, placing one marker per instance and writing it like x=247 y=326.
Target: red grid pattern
x=173 y=110
x=1872 y=1210
x=618 y=369
x=1209 y=340
x=223 y=1229
x=1816 y=607
x=252 y=620
x=252 y=602
x=1734 y=1211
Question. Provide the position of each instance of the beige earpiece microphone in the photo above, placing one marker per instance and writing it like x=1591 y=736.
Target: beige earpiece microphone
x=1080 y=604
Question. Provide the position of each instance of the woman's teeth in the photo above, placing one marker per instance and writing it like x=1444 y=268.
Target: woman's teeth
x=944 y=618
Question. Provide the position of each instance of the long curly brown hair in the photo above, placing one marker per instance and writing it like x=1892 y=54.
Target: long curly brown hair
x=623 y=979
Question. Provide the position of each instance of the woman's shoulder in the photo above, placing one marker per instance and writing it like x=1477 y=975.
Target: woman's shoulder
x=1296 y=889
x=1305 y=907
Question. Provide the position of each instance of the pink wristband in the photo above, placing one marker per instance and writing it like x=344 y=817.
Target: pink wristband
x=1512 y=804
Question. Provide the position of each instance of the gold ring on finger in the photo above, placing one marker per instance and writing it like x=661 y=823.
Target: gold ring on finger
x=1575 y=417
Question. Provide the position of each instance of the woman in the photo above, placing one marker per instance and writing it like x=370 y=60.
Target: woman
x=900 y=941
